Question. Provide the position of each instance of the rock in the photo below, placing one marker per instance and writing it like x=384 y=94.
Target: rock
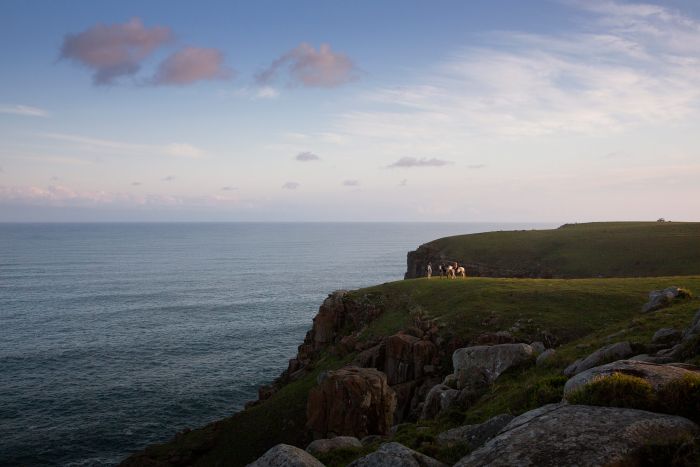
x=657 y=375
x=537 y=347
x=488 y=362
x=603 y=355
x=651 y=358
x=396 y=455
x=321 y=446
x=284 y=455
x=406 y=357
x=545 y=356
x=439 y=398
x=667 y=336
x=351 y=401
x=694 y=328
x=450 y=380
x=659 y=299
x=371 y=439
x=494 y=338
x=474 y=435
x=581 y=435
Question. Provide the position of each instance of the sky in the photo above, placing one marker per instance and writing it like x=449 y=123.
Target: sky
x=500 y=110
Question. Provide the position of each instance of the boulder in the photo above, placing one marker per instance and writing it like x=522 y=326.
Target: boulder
x=351 y=401
x=321 y=446
x=439 y=398
x=667 y=336
x=406 y=357
x=603 y=355
x=657 y=375
x=487 y=362
x=659 y=299
x=284 y=455
x=396 y=455
x=450 y=380
x=537 y=347
x=581 y=435
x=474 y=435
x=545 y=356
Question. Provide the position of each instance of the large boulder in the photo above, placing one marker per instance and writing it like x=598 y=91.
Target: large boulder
x=474 y=435
x=667 y=336
x=351 y=401
x=581 y=435
x=396 y=455
x=407 y=357
x=439 y=398
x=655 y=374
x=284 y=455
x=487 y=361
x=603 y=355
x=659 y=299
x=322 y=446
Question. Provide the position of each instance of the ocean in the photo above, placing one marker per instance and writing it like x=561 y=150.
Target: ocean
x=115 y=336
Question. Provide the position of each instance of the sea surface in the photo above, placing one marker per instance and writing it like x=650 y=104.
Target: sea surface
x=115 y=336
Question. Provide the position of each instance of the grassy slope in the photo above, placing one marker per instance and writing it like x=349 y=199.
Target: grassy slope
x=580 y=312
x=609 y=249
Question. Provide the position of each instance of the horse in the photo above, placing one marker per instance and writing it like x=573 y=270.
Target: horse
x=460 y=271
x=450 y=272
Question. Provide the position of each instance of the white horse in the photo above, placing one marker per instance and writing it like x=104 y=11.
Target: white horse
x=460 y=271
x=450 y=272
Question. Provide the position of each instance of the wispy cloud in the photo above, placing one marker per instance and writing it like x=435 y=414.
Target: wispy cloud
x=168 y=178
x=115 y=50
x=228 y=188
x=307 y=156
x=307 y=67
x=135 y=183
x=351 y=183
x=403 y=182
x=190 y=65
x=290 y=186
x=405 y=162
x=476 y=166
x=184 y=150
x=23 y=110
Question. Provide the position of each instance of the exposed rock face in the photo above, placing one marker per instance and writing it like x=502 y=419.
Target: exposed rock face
x=487 y=361
x=474 y=435
x=439 y=398
x=657 y=375
x=659 y=299
x=396 y=455
x=321 y=446
x=351 y=401
x=667 y=336
x=407 y=357
x=562 y=434
x=604 y=354
x=284 y=455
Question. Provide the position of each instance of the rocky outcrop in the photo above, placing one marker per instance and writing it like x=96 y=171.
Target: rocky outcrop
x=407 y=357
x=544 y=357
x=604 y=354
x=667 y=336
x=659 y=299
x=284 y=455
x=562 y=434
x=322 y=446
x=439 y=398
x=655 y=374
x=474 y=436
x=351 y=401
x=396 y=455
x=487 y=362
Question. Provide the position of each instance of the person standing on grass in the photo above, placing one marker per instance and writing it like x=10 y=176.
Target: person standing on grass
x=429 y=270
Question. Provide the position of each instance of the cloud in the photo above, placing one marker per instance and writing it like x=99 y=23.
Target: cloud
x=184 y=150
x=424 y=162
x=351 y=183
x=290 y=186
x=476 y=166
x=228 y=188
x=403 y=182
x=23 y=110
x=308 y=67
x=190 y=65
x=169 y=178
x=135 y=183
x=116 y=50
x=307 y=156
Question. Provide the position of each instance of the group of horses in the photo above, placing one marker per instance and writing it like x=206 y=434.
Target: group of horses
x=451 y=271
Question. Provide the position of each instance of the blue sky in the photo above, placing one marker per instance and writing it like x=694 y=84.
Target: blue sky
x=564 y=110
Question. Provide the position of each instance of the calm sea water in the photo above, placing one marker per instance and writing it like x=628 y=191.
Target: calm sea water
x=114 y=336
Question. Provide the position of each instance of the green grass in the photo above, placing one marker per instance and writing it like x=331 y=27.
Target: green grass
x=607 y=249
x=580 y=313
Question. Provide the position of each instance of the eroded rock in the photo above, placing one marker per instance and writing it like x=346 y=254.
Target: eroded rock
x=396 y=455
x=581 y=435
x=605 y=354
x=321 y=446
x=659 y=299
x=667 y=336
x=351 y=401
x=474 y=435
x=544 y=357
x=439 y=398
x=488 y=362
x=284 y=455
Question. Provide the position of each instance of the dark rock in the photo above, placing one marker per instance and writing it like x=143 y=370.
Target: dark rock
x=351 y=401
x=321 y=446
x=562 y=434
x=396 y=455
x=657 y=375
x=487 y=362
x=659 y=299
x=545 y=356
x=537 y=347
x=284 y=455
x=371 y=439
x=439 y=398
x=474 y=435
x=604 y=354
x=667 y=336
